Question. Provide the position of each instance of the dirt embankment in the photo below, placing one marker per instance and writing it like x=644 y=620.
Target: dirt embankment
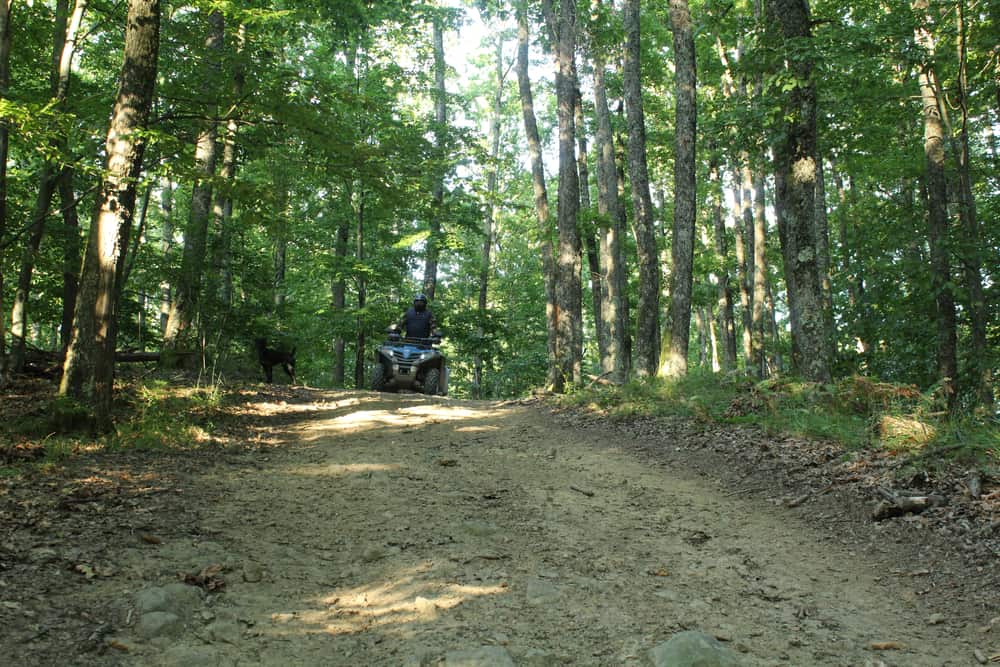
x=364 y=529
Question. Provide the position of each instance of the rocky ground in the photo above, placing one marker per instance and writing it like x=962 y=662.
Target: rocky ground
x=350 y=528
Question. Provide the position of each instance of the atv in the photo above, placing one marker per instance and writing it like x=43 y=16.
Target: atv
x=416 y=364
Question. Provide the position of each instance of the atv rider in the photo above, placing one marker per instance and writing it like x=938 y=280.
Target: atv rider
x=418 y=321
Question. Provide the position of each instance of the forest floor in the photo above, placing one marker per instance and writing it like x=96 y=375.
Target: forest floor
x=351 y=528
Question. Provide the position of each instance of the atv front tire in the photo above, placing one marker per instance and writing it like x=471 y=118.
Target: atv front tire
x=378 y=378
x=431 y=382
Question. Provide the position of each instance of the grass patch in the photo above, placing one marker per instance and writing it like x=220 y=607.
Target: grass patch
x=856 y=412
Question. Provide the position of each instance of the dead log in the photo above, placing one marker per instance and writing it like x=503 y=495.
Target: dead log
x=895 y=505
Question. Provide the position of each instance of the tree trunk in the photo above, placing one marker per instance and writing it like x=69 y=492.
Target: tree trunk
x=568 y=287
x=437 y=194
x=972 y=261
x=5 y=44
x=538 y=182
x=88 y=373
x=222 y=209
x=725 y=299
x=166 y=246
x=489 y=222
x=647 y=345
x=614 y=307
x=359 y=231
x=589 y=238
x=339 y=290
x=63 y=46
x=744 y=246
x=937 y=209
x=71 y=255
x=795 y=171
x=685 y=193
x=760 y=270
x=187 y=295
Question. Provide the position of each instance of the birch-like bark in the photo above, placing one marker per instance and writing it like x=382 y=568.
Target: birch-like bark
x=538 y=185
x=437 y=193
x=647 y=343
x=685 y=192
x=187 y=297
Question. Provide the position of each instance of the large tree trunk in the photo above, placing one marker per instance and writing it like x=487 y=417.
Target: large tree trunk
x=795 y=157
x=437 y=194
x=538 y=183
x=614 y=308
x=5 y=43
x=937 y=209
x=685 y=193
x=744 y=247
x=64 y=44
x=568 y=287
x=972 y=260
x=88 y=373
x=490 y=221
x=187 y=295
x=647 y=345
x=360 y=340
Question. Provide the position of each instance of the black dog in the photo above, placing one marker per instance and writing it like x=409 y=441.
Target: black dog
x=271 y=358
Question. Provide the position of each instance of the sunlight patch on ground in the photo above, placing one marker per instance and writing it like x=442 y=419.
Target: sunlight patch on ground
x=342 y=469
x=403 y=417
x=476 y=429
x=403 y=601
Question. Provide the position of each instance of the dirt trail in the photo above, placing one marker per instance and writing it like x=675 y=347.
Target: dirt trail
x=398 y=529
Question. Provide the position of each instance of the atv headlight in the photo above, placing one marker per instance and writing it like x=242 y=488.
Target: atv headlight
x=426 y=355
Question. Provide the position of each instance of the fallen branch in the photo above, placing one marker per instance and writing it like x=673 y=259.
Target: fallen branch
x=894 y=505
x=589 y=494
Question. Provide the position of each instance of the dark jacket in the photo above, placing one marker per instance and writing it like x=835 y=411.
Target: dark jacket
x=418 y=324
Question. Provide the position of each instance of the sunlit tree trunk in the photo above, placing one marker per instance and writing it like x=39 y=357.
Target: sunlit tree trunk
x=538 y=183
x=568 y=287
x=758 y=232
x=339 y=288
x=360 y=340
x=490 y=220
x=647 y=344
x=437 y=194
x=187 y=296
x=674 y=362
x=937 y=209
x=71 y=255
x=88 y=372
x=795 y=169
x=64 y=44
x=744 y=246
x=5 y=44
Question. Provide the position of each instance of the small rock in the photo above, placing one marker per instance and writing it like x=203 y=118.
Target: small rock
x=252 y=573
x=936 y=619
x=693 y=649
x=156 y=624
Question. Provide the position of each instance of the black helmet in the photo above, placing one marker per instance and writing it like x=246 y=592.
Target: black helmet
x=419 y=298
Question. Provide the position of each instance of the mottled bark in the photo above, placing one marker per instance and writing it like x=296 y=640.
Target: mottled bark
x=437 y=193
x=613 y=286
x=88 y=373
x=71 y=255
x=744 y=246
x=647 y=343
x=187 y=296
x=795 y=171
x=937 y=209
x=339 y=289
x=760 y=271
x=725 y=299
x=685 y=192
x=5 y=44
x=63 y=46
x=568 y=286
x=490 y=220
x=538 y=184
